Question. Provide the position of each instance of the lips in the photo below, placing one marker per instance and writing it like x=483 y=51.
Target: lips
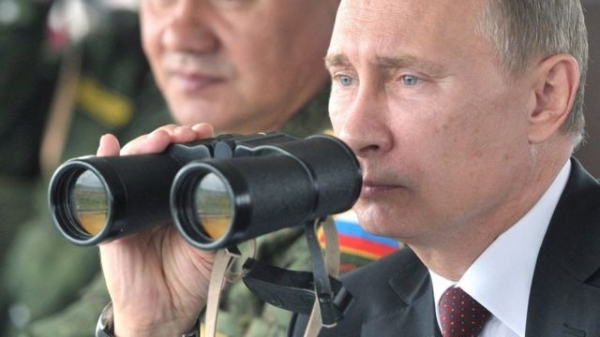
x=372 y=188
x=192 y=82
x=191 y=72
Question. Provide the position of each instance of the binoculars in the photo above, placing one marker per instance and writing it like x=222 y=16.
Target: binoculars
x=218 y=192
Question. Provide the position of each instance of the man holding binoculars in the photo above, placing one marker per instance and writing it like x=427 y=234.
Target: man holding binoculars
x=326 y=168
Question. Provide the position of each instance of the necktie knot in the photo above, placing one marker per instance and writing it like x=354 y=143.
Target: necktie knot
x=461 y=315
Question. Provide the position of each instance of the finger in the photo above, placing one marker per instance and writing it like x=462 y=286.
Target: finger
x=183 y=134
x=109 y=146
x=154 y=142
x=158 y=140
x=203 y=130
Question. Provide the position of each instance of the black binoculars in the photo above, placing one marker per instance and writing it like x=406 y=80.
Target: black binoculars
x=218 y=192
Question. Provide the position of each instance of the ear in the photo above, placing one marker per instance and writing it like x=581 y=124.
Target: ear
x=557 y=81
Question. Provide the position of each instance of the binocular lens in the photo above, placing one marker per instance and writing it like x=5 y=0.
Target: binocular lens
x=89 y=203
x=214 y=206
x=94 y=199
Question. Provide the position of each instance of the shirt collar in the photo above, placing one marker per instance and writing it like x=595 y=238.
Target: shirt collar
x=500 y=279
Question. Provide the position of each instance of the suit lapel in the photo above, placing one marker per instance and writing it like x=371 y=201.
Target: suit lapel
x=415 y=314
x=565 y=294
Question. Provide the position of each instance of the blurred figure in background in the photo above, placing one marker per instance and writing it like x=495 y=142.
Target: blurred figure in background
x=61 y=87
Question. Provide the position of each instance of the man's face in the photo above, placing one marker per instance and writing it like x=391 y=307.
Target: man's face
x=241 y=65
x=440 y=130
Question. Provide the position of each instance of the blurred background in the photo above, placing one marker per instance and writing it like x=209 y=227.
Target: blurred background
x=40 y=41
x=70 y=71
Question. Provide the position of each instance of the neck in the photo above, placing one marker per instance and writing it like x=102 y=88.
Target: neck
x=454 y=255
x=451 y=254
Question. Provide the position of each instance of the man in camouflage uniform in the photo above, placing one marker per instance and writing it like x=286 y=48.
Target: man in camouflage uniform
x=243 y=314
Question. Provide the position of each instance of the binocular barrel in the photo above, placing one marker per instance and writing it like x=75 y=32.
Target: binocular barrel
x=218 y=203
x=218 y=192
x=93 y=199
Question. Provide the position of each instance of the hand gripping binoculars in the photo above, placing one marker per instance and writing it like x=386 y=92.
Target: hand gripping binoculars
x=218 y=192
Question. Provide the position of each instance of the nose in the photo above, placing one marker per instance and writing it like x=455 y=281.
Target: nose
x=191 y=27
x=365 y=124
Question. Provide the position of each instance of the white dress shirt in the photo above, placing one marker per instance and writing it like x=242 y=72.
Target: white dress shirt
x=500 y=279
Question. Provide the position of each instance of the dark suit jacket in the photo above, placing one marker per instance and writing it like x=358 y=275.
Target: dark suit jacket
x=394 y=296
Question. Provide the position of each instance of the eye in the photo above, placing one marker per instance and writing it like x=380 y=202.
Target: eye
x=345 y=80
x=230 y=4
x=161 y=4
x=410 y=80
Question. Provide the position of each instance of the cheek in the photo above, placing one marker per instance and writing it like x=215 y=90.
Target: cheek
x=336 y=109
x=251 y=61
x=151 y=43
x=474 y=146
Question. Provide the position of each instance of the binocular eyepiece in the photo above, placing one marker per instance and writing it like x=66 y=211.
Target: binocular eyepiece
x=218 y=192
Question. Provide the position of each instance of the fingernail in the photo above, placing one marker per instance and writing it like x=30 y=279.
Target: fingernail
x=179 y=129
x=202 y=127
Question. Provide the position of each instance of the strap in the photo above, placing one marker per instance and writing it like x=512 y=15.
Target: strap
x=323 y=267
x=225 y=258
x=332 y=247
x=331 y=265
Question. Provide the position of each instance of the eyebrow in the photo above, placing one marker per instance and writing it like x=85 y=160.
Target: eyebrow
x=336 y=60
x=340 y=60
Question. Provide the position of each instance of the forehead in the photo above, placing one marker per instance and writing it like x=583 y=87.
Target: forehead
x=383 y=11
x=384 y=24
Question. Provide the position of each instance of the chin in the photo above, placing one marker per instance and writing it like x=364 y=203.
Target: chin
x=192 y=114
x=223 y=120
x=382 y=221
x=371 y=221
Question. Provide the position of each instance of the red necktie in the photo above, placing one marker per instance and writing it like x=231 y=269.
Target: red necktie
x=461 y=315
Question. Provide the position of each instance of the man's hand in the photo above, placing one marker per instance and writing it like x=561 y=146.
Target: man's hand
x=157 y=281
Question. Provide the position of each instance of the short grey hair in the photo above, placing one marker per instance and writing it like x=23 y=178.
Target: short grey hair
x=527 y=30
